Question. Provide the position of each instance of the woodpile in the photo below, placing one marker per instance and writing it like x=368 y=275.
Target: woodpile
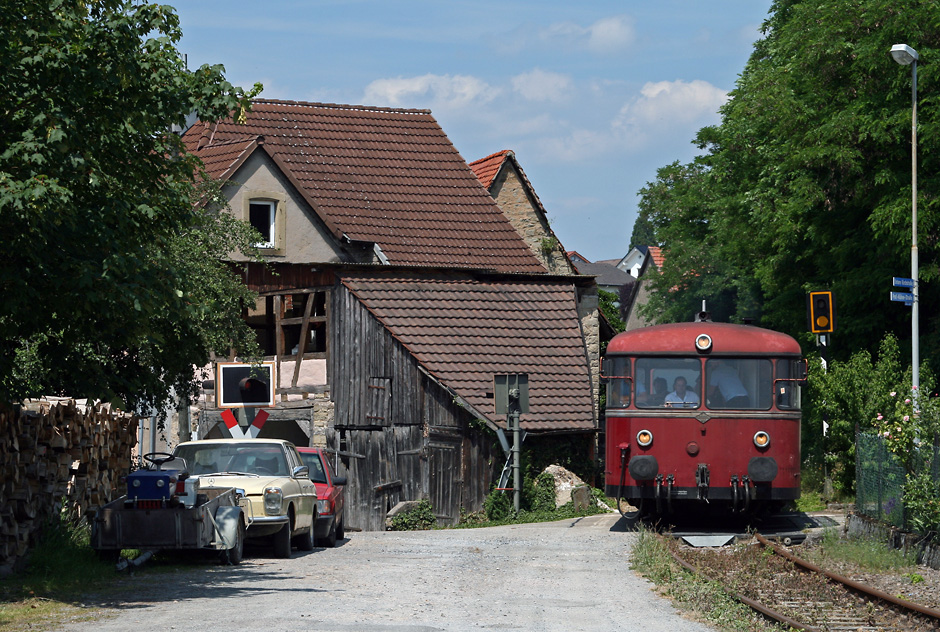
x=57 y=455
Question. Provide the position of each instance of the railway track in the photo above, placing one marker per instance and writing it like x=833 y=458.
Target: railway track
x=801 y=595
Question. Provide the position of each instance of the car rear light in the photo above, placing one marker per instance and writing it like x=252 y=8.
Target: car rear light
x=644 y=438
x=180 y=488
x=273 y=500
x=761 y=439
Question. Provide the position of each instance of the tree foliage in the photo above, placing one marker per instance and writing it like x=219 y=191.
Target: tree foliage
x=113 y=281
x=806 y=182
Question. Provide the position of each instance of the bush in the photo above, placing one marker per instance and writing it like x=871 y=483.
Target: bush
x=542 y=494
x=420 y=518
x=497 y=505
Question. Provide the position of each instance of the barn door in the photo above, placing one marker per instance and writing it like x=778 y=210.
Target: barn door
x=445 y=470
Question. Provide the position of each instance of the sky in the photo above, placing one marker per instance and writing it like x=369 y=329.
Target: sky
x=593 y=97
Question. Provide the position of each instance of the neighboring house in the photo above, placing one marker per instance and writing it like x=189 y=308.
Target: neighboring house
x=502 y=175
x=395 y=288
x=640 y=261
x=609 y=277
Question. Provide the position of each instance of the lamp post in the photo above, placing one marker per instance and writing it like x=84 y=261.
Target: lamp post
x=907 y=56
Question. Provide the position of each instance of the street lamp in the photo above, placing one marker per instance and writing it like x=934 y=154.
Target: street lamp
x=907 y=56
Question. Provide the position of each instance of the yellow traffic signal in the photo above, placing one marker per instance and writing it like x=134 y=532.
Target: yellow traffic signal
x=821 y=312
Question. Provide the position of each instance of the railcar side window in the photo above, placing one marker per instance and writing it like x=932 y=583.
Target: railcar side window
x=738 y=383
x=668 y=382
x=619 y=383
x=787 y=390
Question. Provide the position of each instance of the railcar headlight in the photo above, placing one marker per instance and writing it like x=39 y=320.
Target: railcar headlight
x=703 y=342
x=273 y=499
x=644 y=438
x=761 y=439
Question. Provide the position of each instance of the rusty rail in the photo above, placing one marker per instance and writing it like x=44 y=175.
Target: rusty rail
x=850 y=583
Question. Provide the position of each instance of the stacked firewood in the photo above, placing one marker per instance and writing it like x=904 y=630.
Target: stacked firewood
x=57 y=455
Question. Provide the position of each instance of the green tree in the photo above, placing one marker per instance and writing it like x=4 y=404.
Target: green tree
x=113 y=280
x=805 y=183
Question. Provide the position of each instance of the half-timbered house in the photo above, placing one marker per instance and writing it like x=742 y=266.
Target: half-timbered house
x=395 y=289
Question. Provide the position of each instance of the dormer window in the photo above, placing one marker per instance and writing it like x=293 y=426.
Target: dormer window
x=262 y=215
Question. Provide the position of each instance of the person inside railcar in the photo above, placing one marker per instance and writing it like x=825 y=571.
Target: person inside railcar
x=681 y=396
x=725 y=389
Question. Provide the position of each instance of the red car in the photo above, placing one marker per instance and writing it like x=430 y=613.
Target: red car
x=330 y=498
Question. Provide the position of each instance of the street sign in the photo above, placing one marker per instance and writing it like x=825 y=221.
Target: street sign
x=903 y=297
x=902 y=282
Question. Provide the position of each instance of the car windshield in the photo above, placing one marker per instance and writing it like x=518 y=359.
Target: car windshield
x=315 y=465
x=245 y=458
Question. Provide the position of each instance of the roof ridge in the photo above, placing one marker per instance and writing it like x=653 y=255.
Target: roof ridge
x=343 y=106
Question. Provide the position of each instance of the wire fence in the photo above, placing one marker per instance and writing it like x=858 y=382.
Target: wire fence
x=880 y=477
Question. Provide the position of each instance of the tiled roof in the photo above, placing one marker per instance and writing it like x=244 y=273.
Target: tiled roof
x=486 y=169
x=389 y=176
x=463 y=329
x=657 y=254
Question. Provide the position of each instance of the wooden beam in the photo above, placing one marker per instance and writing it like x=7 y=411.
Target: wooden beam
x=304 y=332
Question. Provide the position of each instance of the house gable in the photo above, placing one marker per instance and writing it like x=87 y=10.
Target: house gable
x=503 y=177
x=300 y=234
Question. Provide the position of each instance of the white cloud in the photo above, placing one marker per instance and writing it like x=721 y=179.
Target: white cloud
x=541 y=85
x=667 y=104
x=604 y=37
x=434 y=91
x=609 y=35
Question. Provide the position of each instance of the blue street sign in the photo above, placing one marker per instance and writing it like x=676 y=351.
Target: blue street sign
x=902 y=282
x=903 y=297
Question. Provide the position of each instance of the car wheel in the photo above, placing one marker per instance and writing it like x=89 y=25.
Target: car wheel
x=340 y=530
x=305 y=541
x=235 y=554
x=330 y=539
x=282 y=542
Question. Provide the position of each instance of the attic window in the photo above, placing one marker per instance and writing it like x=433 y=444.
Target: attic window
x=261 y=216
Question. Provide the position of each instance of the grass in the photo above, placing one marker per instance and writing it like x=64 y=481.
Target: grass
x=866 y=554
x=701 y=597
x=62 y=571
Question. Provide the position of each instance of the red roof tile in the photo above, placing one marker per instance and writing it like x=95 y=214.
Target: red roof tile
x=389 y=176
x=486 y=169
x=463 y=329
x=657 y=254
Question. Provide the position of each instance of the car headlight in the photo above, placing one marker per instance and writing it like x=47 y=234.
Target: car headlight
x=273 y=500
x=644 y=438
x=761 y=439
x=323 y=507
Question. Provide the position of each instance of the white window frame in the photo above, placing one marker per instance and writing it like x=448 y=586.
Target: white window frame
x=272 y=221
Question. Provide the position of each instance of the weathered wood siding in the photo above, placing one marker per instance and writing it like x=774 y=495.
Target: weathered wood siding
x=400 y=435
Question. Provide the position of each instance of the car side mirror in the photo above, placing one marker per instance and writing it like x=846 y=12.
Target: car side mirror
x=301 y=471
x=339 y=480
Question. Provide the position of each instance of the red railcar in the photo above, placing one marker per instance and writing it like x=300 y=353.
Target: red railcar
x=703 y=413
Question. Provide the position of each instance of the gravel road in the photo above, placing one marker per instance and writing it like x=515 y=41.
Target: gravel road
x=565 y=576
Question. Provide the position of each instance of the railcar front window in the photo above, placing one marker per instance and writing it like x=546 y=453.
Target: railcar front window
x=738 y=383
x=668 y=382
x=619 y=383
x=786 y=389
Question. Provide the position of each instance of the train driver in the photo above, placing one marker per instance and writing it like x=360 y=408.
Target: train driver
x=724 y=386
x=681 y=396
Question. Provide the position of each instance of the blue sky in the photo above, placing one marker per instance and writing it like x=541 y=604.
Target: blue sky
x=593 y=97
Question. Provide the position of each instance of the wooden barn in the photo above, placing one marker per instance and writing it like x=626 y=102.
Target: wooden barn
x=395 y=289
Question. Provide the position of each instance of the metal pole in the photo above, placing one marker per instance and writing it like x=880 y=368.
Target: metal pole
x=915 y=308
x=516 y=464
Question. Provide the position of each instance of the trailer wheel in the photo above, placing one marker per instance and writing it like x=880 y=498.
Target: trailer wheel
x=236 y=554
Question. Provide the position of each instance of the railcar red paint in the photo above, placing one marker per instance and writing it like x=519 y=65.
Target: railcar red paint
x=728 y=432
